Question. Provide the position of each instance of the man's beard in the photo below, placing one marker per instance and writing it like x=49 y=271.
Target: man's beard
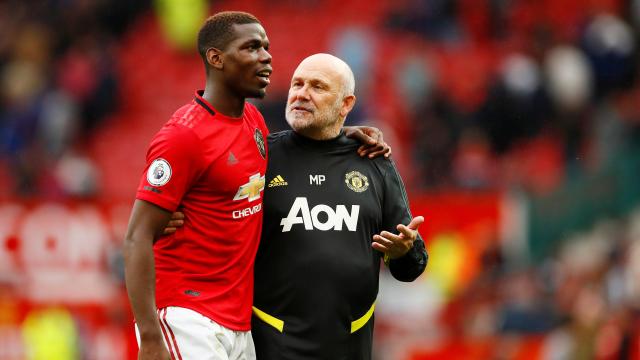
x=319 y=121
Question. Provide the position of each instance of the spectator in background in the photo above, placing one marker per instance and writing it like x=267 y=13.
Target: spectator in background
x=435 y=19
x=55 y=88
x=516 y=107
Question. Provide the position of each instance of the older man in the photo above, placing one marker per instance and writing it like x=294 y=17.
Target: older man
x=330 y=217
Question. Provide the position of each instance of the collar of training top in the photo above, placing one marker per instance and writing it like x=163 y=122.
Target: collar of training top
x=338 y=141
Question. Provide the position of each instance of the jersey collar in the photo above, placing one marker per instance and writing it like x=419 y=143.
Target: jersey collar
x=204 y=103
x=210 y=109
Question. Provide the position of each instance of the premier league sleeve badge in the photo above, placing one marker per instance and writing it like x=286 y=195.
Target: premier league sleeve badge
x=159 y=172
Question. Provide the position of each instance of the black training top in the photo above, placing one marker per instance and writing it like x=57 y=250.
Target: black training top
x=316 y=274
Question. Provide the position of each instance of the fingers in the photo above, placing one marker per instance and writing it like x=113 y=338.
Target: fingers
x=381 y=244
x=177 y=220
x=391 y=236
x=406 y=232
x=371 y=140
x=366 y=150
x=374 y=134
x=382 y=149
x=362 y=150
x=372 y=151
x=382 y=240
x=175 y=223
x=177 y=216
x=379 y=247
x=416 y=222
x=391 y=244
x=361 y=136
x=375 y=151
x=411 y=231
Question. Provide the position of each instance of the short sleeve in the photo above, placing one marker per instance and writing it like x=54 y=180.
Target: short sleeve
x=174 y=161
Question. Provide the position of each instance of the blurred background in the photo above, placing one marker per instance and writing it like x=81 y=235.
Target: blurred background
x=515 y=125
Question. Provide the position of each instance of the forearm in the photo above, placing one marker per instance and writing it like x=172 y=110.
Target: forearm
x=140 y=280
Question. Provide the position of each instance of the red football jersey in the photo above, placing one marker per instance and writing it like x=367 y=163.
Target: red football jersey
x=211 y=167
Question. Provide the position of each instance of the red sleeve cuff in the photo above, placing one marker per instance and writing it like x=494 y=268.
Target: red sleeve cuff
x=154 y=199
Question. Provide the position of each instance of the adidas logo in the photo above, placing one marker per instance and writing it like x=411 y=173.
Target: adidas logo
x=231 y=160
x=277 y=181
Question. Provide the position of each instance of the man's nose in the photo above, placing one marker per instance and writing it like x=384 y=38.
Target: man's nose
x=301 y=93
x=265 y=56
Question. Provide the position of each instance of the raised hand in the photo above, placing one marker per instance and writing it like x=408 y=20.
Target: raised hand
x=395 y=246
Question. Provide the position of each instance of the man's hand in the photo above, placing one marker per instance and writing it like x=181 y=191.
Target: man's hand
x=373 y=144
x=153 y=350
x=177 y=220
x=396 y=246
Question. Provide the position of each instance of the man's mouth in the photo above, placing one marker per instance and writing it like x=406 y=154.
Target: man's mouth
x=264 y=75
x=301 y=108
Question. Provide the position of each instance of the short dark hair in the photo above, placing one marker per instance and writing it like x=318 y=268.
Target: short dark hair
x=217 y=30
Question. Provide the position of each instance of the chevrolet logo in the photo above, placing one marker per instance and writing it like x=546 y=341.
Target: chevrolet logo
x=251 y=190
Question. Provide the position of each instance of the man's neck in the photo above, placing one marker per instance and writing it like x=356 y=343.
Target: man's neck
x=223 y=100
x=322 y=134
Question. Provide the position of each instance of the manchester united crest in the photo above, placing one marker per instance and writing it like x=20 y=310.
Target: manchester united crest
x=257 y=136
x=356 y=181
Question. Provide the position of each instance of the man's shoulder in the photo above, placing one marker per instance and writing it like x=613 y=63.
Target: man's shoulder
x=384 y=165
x=175 y=133
x=189 y=116
x=252 y=111
x=179 y=128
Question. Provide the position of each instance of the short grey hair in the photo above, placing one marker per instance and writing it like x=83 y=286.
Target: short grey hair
x=349 y=82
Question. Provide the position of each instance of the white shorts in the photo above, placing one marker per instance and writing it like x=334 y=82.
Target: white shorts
x=191 y=336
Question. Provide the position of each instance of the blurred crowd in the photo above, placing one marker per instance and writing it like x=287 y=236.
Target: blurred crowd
x=58 y=82
x=583 y=302
x=472 y=94
x=558 y=103
x=491 y=94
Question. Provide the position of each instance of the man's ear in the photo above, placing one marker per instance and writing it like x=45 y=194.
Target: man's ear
x=348 y=103
x=214 y=58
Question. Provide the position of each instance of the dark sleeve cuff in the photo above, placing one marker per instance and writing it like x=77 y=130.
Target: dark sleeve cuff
x=411 y=265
